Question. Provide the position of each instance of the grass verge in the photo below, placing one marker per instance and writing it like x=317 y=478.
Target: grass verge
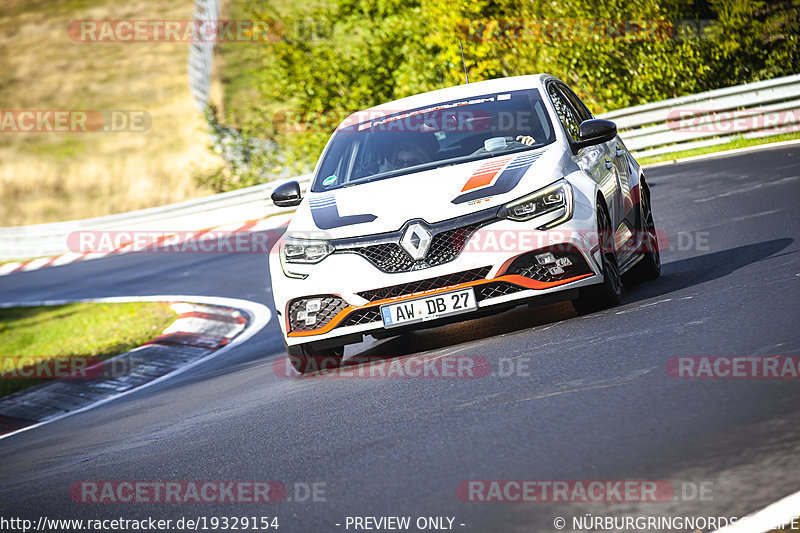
x=97 y=330
x=739 y=142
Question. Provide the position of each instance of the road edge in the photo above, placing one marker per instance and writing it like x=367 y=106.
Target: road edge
x=723 y=153
x=259 y=315
x=772 y=516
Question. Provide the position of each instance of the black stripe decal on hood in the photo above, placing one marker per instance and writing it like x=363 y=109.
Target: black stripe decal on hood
x=326 y=214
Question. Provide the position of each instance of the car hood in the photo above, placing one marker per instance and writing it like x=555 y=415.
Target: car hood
x=431 y=195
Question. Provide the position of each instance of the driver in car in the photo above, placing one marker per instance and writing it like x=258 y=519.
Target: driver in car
x=407 y=155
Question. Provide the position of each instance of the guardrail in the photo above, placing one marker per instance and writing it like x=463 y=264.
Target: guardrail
x=233 y=207
x=200 y=65
x=753 y=110
x=648 y=129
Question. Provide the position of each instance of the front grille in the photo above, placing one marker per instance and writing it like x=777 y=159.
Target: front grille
x=446 y=246
x=438 y=282
x=362 y=316
x=528 y=266
x=495 y=289
x=391 y=257
x=329 y=306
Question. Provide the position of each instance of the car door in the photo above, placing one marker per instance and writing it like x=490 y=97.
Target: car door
x=618 y=154
x=595 y=160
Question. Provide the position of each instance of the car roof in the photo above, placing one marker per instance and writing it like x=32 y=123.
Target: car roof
x=466 y=90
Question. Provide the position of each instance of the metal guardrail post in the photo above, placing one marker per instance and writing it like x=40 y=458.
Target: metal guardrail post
x=648 y=129
x=752 y=110
x=200 y=65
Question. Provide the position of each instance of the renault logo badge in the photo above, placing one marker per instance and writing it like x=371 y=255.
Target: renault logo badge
x=416 y=241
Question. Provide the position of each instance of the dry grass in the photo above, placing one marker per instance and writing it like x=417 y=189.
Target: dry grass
x=47 y=177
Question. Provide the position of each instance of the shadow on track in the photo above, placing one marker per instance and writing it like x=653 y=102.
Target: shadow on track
x=691 y=271
x=514 y=320
x=676 y=275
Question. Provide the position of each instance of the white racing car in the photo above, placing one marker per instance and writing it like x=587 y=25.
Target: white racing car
x=454 y=203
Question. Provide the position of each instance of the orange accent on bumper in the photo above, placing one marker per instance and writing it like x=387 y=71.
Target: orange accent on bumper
x=514 y=279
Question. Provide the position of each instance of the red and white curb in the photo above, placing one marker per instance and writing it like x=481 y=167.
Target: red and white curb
x=201 y=324
x=251 y=226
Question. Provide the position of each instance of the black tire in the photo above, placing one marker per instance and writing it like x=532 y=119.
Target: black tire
x=305 y=358
x=609 y=292
x=649 y=266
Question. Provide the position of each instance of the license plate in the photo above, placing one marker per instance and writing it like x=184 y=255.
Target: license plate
x=428 y=308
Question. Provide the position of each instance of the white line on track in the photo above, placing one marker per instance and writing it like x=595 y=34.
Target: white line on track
x=260 y=316
x=771 y=517
x=723 y=153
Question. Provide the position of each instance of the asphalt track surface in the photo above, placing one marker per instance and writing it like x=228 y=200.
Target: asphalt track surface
x=598 y=403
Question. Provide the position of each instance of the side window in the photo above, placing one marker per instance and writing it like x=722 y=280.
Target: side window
x=343 y=157
x=541 y=115
x=577 y=104
x=564 y=111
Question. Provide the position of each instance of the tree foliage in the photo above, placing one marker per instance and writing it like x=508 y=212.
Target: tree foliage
x=341 y=56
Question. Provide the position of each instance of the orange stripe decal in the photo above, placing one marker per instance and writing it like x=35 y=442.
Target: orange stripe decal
x=485 y=174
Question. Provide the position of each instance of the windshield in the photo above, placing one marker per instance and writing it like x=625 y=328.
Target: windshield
x=441 y=134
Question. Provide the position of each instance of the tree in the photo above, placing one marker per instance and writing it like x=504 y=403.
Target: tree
x=341 y=56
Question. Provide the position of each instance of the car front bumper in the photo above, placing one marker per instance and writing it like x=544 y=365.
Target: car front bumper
x=498 y=261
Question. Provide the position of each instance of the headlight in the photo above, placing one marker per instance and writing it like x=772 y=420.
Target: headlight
x=296 y=251
x=555 y=197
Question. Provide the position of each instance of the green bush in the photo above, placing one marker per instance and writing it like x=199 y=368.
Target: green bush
x=340 y=56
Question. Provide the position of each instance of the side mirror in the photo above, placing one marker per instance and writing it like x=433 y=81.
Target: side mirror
x=594 y=131
x=287 y=194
